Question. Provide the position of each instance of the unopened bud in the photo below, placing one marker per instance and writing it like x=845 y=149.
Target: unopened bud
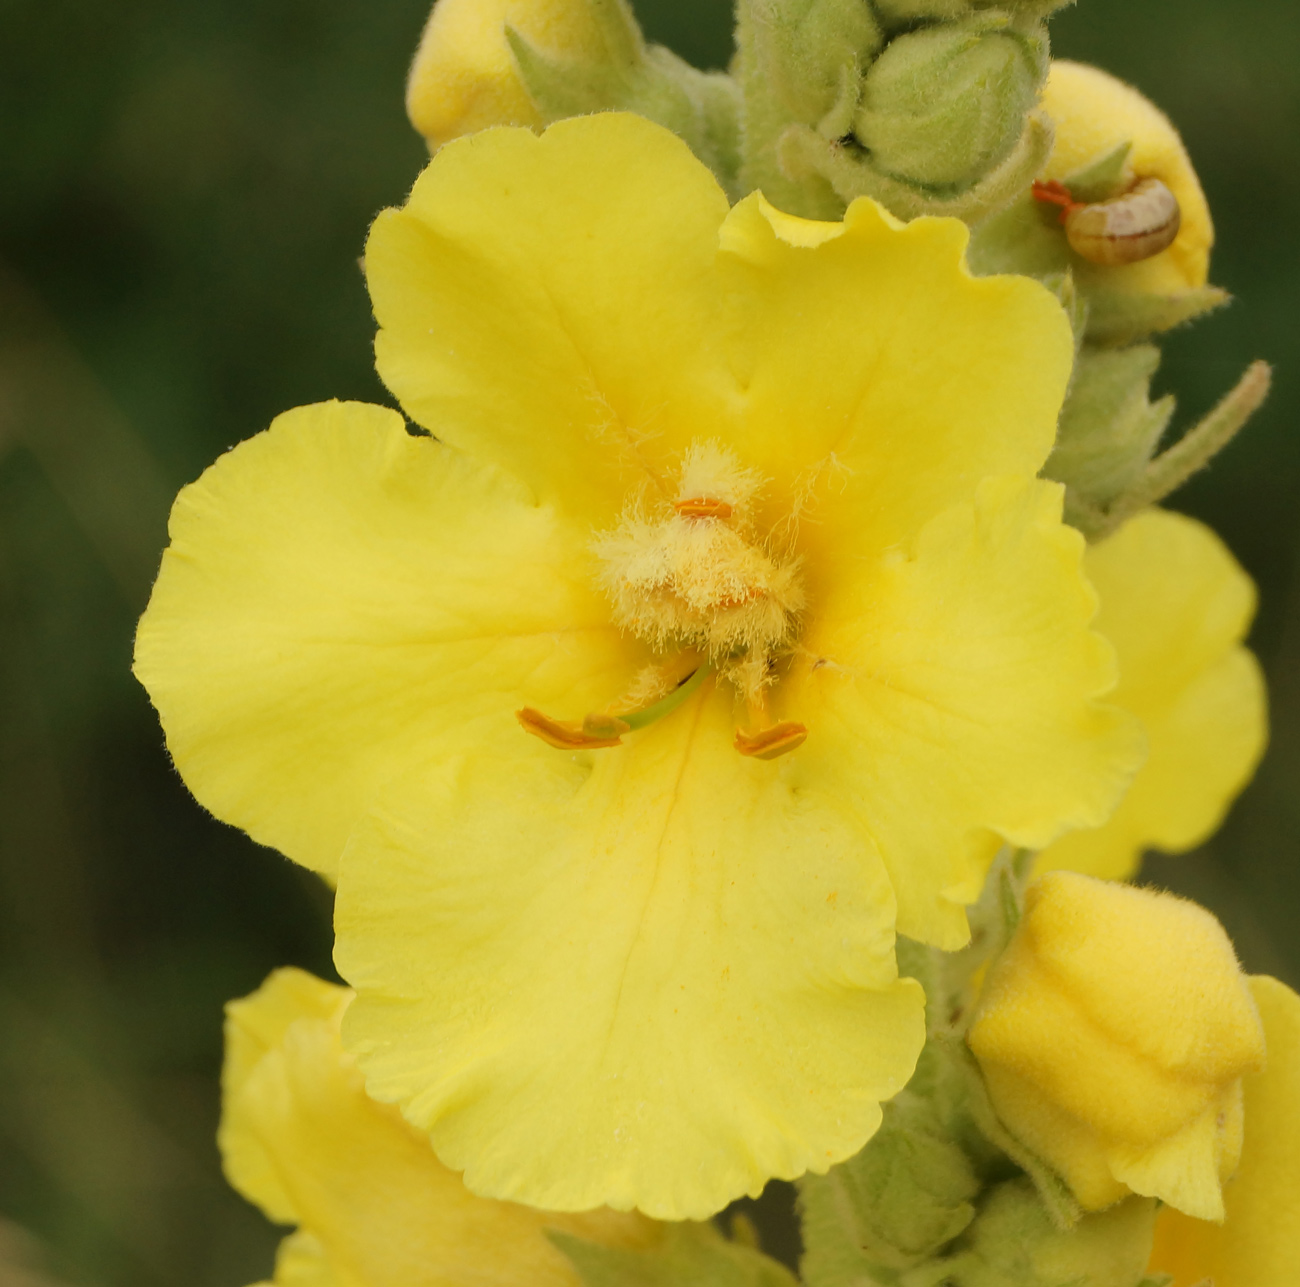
x=465 y=77
x=1113 y=1035
x=1014 y=1243
x=807 y=45
x=943 y=105
x=1094 y=114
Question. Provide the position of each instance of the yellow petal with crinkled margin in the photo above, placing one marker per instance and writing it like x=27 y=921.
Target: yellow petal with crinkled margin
x=1258 y=1243
x=881 y=380
x=951 y=689
x=580 y=307
x=342 y=603
x=652 y=977
x=1175 y=604
x=374 y=1205
x=547 y=303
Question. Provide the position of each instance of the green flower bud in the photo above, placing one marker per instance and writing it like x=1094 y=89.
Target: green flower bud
x=800 y=66
x=1014 y=1243
x=943 y=105
x=809 y=44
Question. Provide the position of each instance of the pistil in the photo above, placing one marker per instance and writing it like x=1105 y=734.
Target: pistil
x=601 y=729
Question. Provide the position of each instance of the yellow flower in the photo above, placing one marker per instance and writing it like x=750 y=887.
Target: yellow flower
x=1176 y=605
x=464 y=76
x=1114 y=1034
x=790 y=463
x=373 y=1205
x=1258 y=1243
x=1093 y=113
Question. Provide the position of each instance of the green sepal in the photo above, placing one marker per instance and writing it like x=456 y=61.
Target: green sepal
x=847 y=171
x=687 y=1255
x=896 y=14
x=1121 y=317
x=895 y=1204
x=1169 y=470
x=1109 y=428
x=945 y=104
x=1103 y=178
x=1014 y=1243
x=1024 y=237
x=702 y=108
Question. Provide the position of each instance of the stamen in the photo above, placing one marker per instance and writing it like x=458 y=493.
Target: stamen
x=770 y=740
x=768 y=743
x=601 y=729
x=703 y=507
x=569 y=735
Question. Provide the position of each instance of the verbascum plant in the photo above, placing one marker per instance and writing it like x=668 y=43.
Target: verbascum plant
x=757 y=584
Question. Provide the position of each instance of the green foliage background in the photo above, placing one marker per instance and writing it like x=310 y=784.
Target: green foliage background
x=184 y=189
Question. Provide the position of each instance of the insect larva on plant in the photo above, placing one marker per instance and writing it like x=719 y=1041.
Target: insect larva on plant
x=1125 y=229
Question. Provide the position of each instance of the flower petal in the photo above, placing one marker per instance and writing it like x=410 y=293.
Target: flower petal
x=546 y=303
x=949 y=695
x=654 y=977
x=343 y=603
x=1175 y=604
x=1258 y=1243
x=881 y=379
x=376 y=1206
x=300 y=1261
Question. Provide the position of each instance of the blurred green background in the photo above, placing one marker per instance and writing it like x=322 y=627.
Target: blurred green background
x=184 y=189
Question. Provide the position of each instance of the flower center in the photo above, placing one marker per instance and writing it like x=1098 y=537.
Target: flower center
x=695 y=579
x=695 y=574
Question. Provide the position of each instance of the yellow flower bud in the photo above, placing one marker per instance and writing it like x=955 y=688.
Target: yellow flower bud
x=1113 y=1035
x=1094 y=113
x=464 y=76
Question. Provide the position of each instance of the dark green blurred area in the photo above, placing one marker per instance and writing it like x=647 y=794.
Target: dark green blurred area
x=184 y=190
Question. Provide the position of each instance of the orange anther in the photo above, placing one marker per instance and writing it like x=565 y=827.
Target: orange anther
x=568 y=735
x=768 y=743
x=703 y=507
